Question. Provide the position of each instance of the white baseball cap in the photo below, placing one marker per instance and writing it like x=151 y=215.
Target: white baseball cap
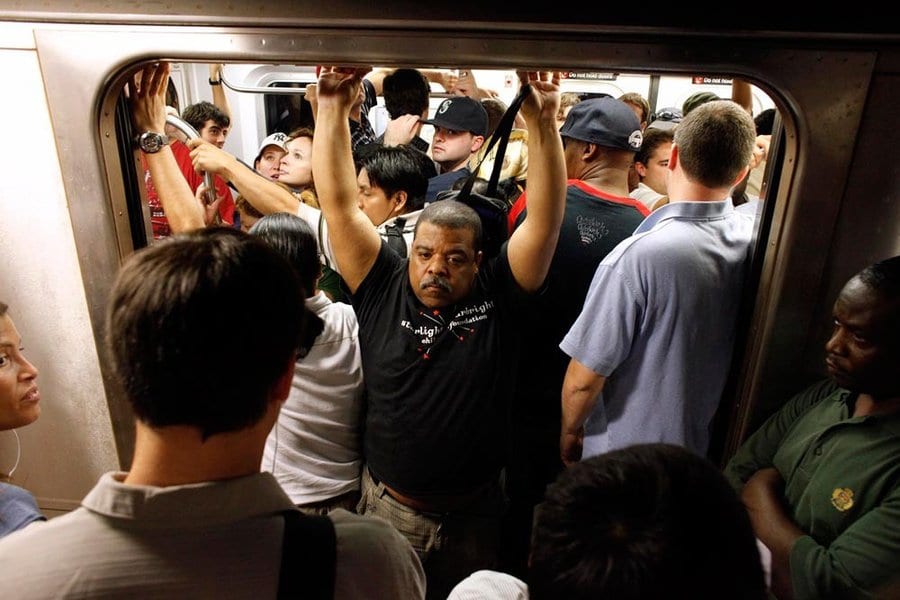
x=276 y=139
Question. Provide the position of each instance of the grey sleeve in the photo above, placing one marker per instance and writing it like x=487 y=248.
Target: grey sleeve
x=374 y=560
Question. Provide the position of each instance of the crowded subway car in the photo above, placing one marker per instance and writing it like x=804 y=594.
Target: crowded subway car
x=74 y=206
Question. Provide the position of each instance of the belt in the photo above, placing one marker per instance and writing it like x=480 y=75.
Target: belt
x=441 y=503
x=330 y=501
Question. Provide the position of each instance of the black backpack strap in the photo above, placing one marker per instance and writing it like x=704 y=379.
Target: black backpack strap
x=308 y=556
x=501 y=137
x=394 y=236
x=321 y=232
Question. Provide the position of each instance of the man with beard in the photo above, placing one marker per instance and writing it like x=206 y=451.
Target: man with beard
x=821 y=477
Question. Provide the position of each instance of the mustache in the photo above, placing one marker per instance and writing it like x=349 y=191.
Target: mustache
x=436 y=280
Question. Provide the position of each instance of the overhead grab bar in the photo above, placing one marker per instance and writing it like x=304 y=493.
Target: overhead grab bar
x=259 y=89
x=287 y=90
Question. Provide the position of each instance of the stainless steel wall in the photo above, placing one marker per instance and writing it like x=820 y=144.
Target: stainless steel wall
x=64 y=226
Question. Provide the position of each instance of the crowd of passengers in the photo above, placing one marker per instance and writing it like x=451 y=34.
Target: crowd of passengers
x=414 y=413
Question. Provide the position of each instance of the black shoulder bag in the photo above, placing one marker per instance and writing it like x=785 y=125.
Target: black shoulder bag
x=492 y=209
x=308 y=556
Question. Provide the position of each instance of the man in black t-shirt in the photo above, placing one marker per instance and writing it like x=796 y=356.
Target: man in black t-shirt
x=439 y=338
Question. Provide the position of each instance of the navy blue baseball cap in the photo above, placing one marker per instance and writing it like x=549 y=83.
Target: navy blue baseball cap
x=606 y=122
x=460 y=113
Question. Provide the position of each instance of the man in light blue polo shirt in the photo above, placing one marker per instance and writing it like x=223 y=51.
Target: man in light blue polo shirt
x=652 y=346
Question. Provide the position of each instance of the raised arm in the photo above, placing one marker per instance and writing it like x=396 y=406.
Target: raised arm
x=444 y=77
x=218 y=90
x=265 y=196
x=533 y=243
x=742 y=93
x=312 y=97
x=467 y=86
x=147 y=100
x=402 y=130
x=376 y=76
x=354 y=240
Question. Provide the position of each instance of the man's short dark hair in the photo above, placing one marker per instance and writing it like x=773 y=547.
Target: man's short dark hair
x=198 y=114
x=406 y=92
x=452 y=214
x=175 y=347
x=399 y=168
x=647 y=521
x=653 y=139
x=765 y=122
x=715 y=141
x=883 y=277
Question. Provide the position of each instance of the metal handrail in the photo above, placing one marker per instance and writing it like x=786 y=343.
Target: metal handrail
x=182 y=126
x=259 y=89
x=288 y=90
x=192 y=134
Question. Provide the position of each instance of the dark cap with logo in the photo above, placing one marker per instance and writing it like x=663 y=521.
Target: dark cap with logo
x=606 y=122
x=460 y=113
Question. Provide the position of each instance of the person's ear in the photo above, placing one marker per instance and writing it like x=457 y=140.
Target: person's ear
x=640 y=168
x=282 y=387
x=740 y=177
x=673 y=157
x=399 y=199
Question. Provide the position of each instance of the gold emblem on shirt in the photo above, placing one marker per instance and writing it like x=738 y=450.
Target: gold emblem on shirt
x=842 y=499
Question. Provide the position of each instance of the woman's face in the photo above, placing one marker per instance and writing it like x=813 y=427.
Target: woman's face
x=296 y=166
x=19 y=395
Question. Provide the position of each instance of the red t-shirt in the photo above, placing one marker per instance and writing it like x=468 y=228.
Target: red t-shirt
x=182 y=154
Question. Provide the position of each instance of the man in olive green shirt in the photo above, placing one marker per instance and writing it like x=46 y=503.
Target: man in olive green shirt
x=821 y=477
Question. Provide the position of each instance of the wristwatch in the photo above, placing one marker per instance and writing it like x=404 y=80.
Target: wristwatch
x=152 y=142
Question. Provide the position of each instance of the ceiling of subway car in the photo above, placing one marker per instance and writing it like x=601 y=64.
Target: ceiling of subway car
x=460 y=14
